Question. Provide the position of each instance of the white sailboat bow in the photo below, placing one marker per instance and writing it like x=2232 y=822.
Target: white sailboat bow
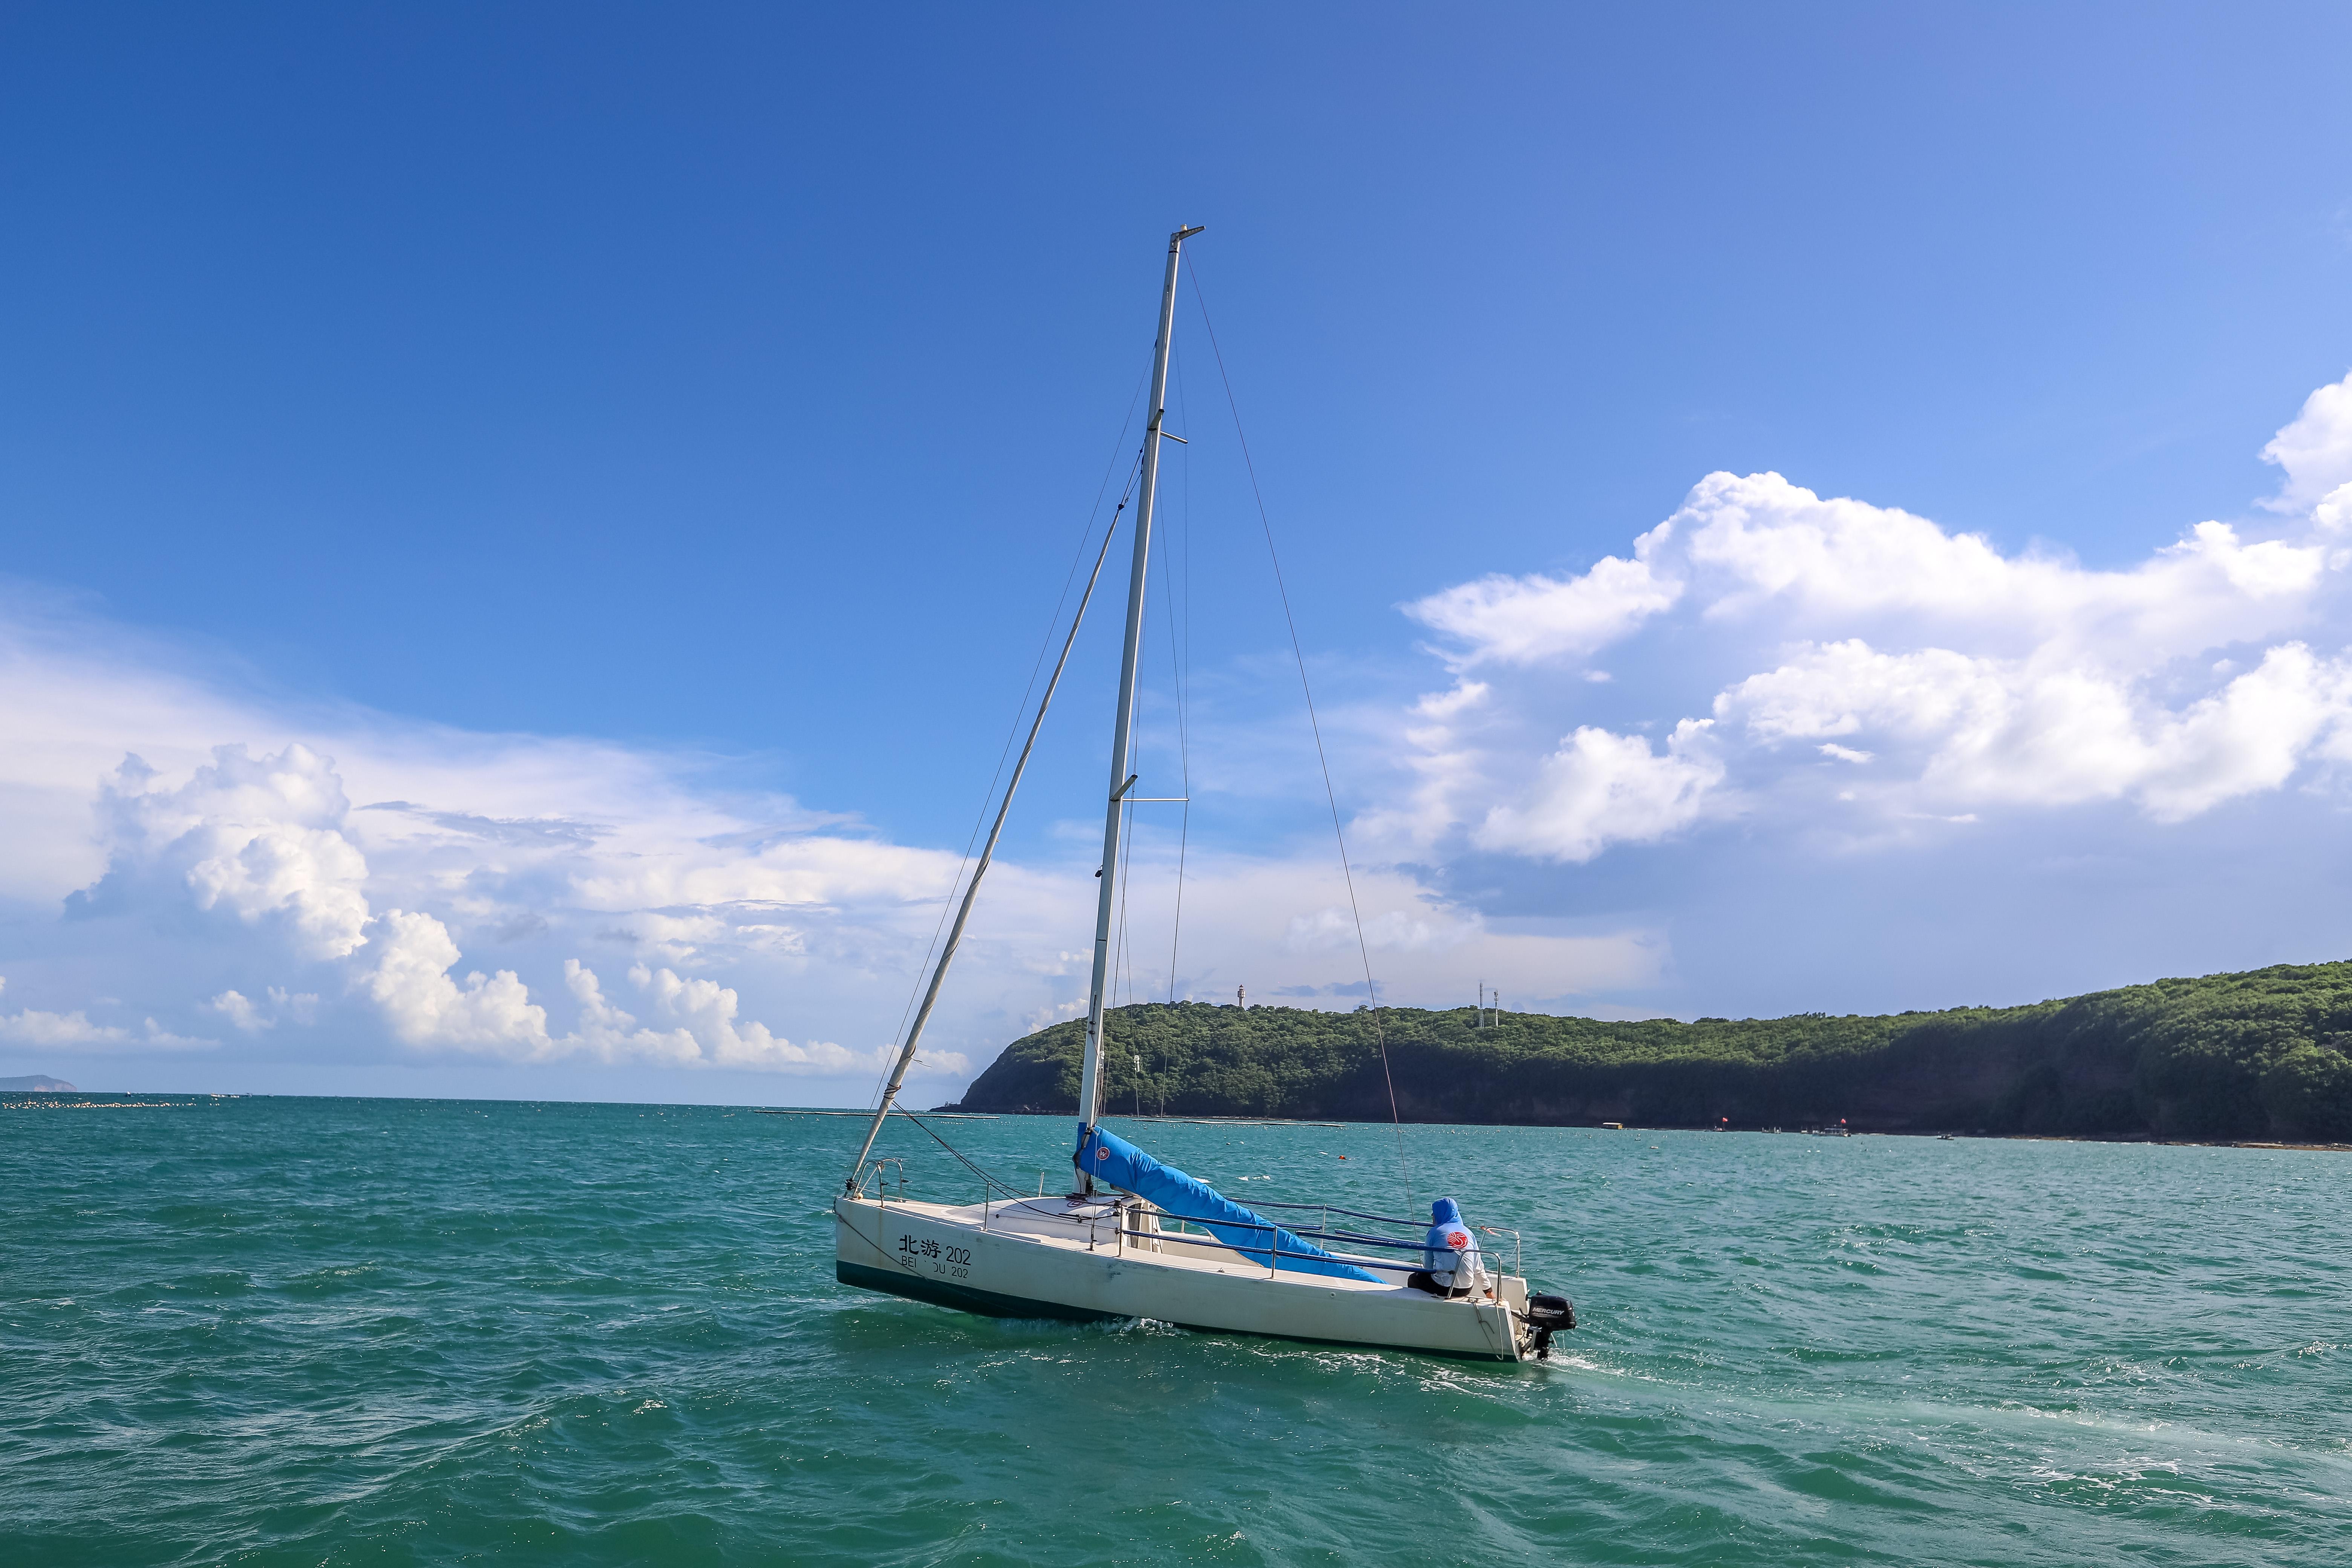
x=1135 y=1238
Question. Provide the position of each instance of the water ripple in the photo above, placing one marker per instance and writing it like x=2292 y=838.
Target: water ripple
x=280 y=1331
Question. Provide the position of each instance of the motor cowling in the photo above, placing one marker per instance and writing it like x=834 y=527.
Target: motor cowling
x=1548 y=1315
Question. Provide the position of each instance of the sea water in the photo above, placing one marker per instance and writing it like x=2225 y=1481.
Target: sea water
x=344 y=1331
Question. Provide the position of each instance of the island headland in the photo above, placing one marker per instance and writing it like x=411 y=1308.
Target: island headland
x=2261 y=1054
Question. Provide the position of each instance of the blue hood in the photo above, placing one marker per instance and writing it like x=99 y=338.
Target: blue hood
x=1447 y=1223
x=1114 y=1161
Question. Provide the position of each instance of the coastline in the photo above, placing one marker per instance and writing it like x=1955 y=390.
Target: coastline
x=50 y=1099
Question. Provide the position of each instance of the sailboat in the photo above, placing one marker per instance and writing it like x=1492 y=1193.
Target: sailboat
x=1135 y=1238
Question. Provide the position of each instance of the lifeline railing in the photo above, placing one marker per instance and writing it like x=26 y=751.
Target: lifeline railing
x=1275 y=1255
x=1275 y=1252
x=1519 y=1247
x=1328 y=1210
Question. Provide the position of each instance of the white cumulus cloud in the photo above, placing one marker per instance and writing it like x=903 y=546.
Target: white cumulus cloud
x=2315 y=453
x=31 y=1027
x=333 y=884
x=1521 y=619
x=258 y=839
x=1600 y=788
x=425 y=1006
x=73 y=1031
x=2211 y=670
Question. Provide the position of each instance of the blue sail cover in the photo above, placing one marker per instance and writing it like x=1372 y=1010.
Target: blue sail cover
x=1114 y=1161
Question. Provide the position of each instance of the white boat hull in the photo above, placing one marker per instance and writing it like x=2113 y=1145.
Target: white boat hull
x=1024 y=1260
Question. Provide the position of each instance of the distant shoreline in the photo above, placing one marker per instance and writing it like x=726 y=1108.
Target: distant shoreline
x=169 y=1099
x=2262 y=1058
x=1954 y=1134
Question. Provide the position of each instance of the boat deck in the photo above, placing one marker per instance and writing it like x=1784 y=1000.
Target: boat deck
x=1053 y=1257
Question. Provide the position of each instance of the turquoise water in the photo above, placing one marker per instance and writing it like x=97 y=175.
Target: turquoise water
x=390 y=1331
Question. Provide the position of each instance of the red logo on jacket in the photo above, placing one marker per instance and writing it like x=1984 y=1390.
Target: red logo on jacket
x=1458 y=1239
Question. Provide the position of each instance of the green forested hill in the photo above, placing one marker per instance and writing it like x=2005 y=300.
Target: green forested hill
x=2261 y=1055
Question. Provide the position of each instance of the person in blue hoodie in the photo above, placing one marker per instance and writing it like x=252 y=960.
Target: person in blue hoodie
x=1450 y=1264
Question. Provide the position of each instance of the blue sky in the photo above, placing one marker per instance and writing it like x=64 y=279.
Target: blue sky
x=611 y=470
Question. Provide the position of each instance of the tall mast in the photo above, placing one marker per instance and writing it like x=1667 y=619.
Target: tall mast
x=1123 y=728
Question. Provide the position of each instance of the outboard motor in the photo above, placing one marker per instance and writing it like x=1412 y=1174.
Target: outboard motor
x=1548 y=1315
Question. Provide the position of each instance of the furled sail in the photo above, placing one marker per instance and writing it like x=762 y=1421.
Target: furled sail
x=1112 y=1160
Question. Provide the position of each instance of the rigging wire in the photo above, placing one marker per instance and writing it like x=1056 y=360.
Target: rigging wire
x=1122 y=963
x=972 y=888
x=975 y=1170
x=1363 y=949
x=1181 y=670
x=1179 y=655
x=1055 y=620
